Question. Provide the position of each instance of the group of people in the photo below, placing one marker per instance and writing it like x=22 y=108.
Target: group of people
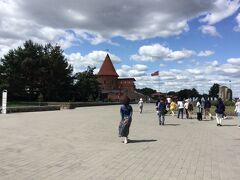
x=163 y=107
x=186 y=107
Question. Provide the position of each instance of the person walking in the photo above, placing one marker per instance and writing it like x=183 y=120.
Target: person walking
x=140 y=105
x=207 y=107
x=180 y=108
x=158 y=101
x=199 y=109
x=190 y=109
x=173 y=107
x=126 y=119
x=220 y=109
x=186 y=104
x=162 y=111
x=237 y=110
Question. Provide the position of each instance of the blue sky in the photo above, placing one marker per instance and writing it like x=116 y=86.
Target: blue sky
x=193 y=43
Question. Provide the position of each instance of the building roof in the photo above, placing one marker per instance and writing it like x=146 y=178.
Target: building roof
x=107 y=68
x=122 y=79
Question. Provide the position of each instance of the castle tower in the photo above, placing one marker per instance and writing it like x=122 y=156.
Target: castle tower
x=107 y=76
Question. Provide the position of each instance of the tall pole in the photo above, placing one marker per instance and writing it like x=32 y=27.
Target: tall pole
x=159 y=83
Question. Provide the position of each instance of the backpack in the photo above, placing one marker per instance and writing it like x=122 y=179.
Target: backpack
x=190 y=107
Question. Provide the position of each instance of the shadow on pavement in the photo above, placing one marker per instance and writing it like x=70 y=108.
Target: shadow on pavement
x=229 y=125
x=208 y=120
x=142 y=140
x=171 y=124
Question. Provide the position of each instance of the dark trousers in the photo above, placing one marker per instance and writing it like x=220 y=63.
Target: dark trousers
x=199 y=116
x=180 y=111
x=187 y=114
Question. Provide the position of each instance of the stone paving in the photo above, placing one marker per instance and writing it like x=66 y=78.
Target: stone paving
x=83 y=144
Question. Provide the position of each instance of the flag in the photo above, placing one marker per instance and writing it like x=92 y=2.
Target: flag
x=156 y=73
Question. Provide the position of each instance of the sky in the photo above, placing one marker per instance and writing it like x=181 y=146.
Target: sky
x=192 y=43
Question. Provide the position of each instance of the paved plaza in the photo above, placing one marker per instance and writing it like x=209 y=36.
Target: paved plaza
x=83 y=144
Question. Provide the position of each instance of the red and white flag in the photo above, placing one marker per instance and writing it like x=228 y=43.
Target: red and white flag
x=156 y=73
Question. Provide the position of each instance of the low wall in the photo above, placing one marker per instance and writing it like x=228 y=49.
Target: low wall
x=54 y=106
x=32 y=108
x=72 y=105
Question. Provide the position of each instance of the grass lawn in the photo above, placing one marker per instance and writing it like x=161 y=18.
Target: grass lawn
x=229 y=110
x=20 y=103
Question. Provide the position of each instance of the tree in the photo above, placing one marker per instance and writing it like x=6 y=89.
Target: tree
x=188 y=93
x=214 y=90
x=194 y=93
x=86 y=86
x=172 y=93
x=147 y=91
x=34 y=69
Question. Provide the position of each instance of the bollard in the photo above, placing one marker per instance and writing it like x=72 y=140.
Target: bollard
x=4 y=102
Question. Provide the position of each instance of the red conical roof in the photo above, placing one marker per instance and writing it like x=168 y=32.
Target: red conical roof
x=107 y=68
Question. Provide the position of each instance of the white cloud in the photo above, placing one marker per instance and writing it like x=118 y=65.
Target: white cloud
x=211 y=30
x=156 y=52
x=214 y=63
x=179 y=62
x=93 y=59
x=159 y=52
x=221 y=10
x=205 y=53
x=140 y=67
x=98 y=21
x=201 y=77
x=234 y=61
x=237 y=28
x=136 y=70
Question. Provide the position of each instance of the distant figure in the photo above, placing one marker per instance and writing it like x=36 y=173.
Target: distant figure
x=162 y=111
x=140 y=105
x=207 y=107
x=199 y=109
x=173 y=107
x=220 y=109
x=168 y=102
x=126 y=119
x=180 y=106
x=237 y=110
x=190 y=109
x=158 y=101
x=186 y=104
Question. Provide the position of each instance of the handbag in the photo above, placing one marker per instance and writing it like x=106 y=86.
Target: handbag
x=126 y=120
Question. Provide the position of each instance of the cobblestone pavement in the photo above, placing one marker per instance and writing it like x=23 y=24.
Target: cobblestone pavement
x=83 y=144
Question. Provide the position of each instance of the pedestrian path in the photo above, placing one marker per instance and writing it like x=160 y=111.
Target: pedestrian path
x=83 y=144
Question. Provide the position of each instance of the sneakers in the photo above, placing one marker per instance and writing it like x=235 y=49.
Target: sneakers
x=219 y=125
x=125 y=141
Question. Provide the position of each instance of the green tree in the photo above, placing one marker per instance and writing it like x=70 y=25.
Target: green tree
x=35 y=69
x=172 y=93
x=147 y=91
x=86 y=86
x=194 y=93
x=213 y=92
x=188 y=93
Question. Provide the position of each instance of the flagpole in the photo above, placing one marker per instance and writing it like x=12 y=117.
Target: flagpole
x=159 y=83
x=156 y=73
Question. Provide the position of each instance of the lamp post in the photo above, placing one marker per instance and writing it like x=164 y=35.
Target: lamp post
x=4 y=101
